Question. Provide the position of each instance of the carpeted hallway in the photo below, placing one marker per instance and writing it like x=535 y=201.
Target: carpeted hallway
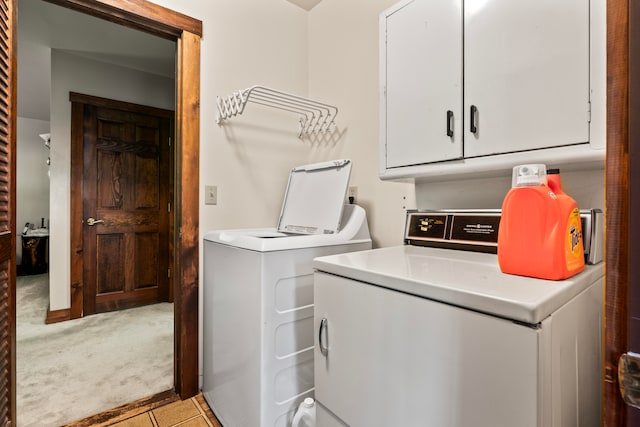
x=70 y=370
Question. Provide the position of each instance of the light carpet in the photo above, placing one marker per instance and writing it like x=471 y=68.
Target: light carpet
x=71 y=370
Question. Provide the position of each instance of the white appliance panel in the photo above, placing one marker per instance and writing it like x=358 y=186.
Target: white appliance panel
x=401 y=360
x=232 y=370
x=575 y=349
x=326 y=418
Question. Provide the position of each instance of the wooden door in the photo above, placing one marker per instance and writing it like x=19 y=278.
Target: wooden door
x=7 y=213
x=126 y=201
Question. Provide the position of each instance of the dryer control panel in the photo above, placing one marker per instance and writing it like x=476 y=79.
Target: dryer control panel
x=464 y=230
x=477 y=230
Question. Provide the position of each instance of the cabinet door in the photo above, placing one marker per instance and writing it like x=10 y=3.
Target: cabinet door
x=421 y=75
x=526 y=68
x=398 y=360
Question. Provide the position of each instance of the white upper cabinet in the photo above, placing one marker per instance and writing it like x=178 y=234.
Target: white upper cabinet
x=482 y=85
x=526 y=71
x=424 y=82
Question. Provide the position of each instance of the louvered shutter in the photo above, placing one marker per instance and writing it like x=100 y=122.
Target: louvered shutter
x=7 y=211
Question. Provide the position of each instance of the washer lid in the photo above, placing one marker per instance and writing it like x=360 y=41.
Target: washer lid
x=314 y=198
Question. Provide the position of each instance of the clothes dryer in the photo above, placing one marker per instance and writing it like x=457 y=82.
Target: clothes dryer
x=433 y=334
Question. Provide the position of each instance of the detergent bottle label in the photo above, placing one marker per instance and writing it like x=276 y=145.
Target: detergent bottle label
x=574 y=248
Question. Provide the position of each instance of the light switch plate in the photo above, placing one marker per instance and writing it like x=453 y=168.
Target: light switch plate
x=210 y=195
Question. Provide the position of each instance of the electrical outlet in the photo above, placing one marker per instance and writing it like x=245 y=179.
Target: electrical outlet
x=210 y=195
x=353 y=193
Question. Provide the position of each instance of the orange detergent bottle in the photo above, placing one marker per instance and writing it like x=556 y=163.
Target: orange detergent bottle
x=540 y=232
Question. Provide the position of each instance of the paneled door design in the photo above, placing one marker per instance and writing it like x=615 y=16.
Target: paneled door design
x=127 y=177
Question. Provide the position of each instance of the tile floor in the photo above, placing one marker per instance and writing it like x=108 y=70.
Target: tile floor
x=192 y=412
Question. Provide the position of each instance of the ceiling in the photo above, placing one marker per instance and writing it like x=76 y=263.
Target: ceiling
x=43 y=26
x=305 y=4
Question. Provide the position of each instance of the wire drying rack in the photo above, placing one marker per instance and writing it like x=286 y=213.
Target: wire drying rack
x=315 y=117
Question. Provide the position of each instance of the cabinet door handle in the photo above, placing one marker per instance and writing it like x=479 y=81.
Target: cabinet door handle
x=449 y=123
x=473 y=127
x=323 y=332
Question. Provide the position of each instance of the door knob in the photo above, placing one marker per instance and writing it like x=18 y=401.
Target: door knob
x=92 y=221
x=629 y=378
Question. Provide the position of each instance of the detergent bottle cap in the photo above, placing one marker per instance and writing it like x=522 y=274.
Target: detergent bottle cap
x=529 y=175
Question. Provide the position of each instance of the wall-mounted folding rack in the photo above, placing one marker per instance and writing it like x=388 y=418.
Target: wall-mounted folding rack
x=315 y=117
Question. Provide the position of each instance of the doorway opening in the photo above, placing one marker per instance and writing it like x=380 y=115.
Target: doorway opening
x=185 y=32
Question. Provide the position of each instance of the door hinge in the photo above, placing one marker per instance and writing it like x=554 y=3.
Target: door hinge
x=589 y=113
x=629 y=378
x=169 y=207
x=168 y=272
x=169 y=141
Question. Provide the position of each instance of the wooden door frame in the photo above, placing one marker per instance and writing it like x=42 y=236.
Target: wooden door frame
x=622 y=256
x=634 y=191
x=186 y=31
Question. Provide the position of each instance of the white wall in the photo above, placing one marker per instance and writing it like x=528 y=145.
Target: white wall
x=586 y=187
x=71 y=73
x=32 y=180
x=343 y=69
x=328 y=55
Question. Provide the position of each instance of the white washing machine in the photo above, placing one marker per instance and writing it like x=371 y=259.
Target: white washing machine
x=258 y=299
